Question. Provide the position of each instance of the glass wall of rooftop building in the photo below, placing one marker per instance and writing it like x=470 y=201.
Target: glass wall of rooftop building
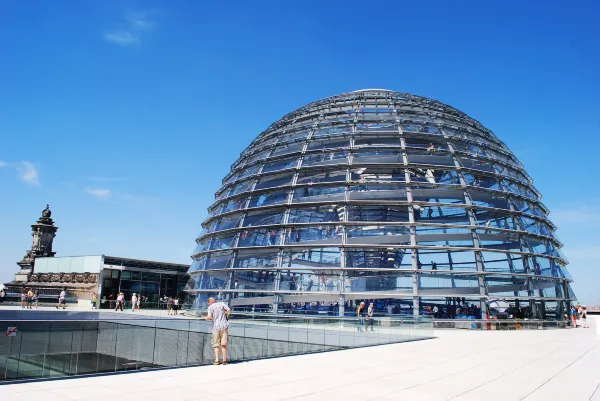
x=385 y=197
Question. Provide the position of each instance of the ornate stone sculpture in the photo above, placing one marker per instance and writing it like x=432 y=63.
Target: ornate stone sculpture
x=43 y=233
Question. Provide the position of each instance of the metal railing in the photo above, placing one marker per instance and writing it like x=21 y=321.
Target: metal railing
x=499 y=324
x=57 y=348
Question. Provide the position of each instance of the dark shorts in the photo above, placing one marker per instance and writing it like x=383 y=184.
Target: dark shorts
x=62 y=301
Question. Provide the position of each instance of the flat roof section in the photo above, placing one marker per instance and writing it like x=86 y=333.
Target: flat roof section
x=147 y=264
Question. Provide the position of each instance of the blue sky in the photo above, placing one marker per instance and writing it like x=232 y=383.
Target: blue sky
x=124 y=116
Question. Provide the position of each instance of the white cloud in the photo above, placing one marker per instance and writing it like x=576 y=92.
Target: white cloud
x=101 y=193
x=132 y=29
x=140 y=20
x=28 y=173
x=105 y=193
x=2 y=164
x=122 y=38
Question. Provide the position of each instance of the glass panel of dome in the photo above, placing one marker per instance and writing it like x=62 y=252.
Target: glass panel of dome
x=319 y=194
x=332 y=131
x=216 y=281
x=476 y=164
x=280 y=164
x=272 y=181
x=497 y=284
x=384 y=258
x=219 y=260
x=377 y=192
x=248 y=171
x=374 y=174
x=241 y=187
x=268 y=198
x=534 y=245
x=325 y=158
x=318 y=214
x=290 y=148
x=318 y=176
x=223 y=241
x=530 y=225
x=198 y=264
x=430 y=157
x=312 y=258
x=378 y=213
x=543 y=266
x=202 y=246
x=437 y=194
x=209 y=229
x=448 y=285
x=229 y=222
x=409 y=126
x=258 y=156
x=262 y=280
x=500 y=240
x=453 y=239
x=449 y=259
x=434 y=176
x=369 y=141
x=261 y=218
x=263 y=143
x=294 y=136
x=233 y=204
x=372 y=280
x=301 y=281
x=433 y=144
x=430 y=129
x=381 y=156
x=320 y=235
x=255 y=258
x=343 y=142
x=444 y=215
x=490 y=199
x=495 y=219
x=384 y=235
x=502 y=262
x=434 y=260
x=259 y=237
x=432 y=229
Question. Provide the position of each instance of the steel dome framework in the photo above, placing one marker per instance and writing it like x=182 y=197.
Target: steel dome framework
x=383 y=196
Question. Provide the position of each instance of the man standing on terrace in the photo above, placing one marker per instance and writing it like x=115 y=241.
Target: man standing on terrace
x=218 y=312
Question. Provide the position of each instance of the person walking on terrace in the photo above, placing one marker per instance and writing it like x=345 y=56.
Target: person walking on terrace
x=29 y=298
x=218 y=312
x=583 y=316
x=360 y=310
x=370 y=319
x=169 y=306
x=134 y=300
x=120 y=302
x=36 y=299
x=62 y=299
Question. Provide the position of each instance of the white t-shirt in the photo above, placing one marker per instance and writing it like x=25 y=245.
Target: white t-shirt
x=63 y=295
x=120 y=298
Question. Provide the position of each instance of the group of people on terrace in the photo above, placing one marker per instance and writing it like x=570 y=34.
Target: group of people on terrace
x=579 y=313
x=29 y=298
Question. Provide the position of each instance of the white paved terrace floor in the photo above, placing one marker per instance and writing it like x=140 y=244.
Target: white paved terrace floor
x=458 y=365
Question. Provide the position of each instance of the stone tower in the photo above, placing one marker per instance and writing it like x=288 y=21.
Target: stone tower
x=43 y=233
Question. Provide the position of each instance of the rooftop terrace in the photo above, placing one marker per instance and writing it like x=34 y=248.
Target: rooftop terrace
x=457 y=365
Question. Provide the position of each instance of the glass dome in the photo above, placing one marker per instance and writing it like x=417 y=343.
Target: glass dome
x=386 y=197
